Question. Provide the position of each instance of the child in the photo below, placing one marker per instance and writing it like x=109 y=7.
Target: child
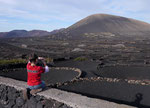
x=34 y=82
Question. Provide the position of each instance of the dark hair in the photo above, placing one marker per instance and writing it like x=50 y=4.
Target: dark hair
x=33 y=57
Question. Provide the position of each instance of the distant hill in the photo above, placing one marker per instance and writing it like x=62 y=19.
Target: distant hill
x=38 y=33
x=103 y=23
x=17 y=33
x=25 y=33
x=57 y=31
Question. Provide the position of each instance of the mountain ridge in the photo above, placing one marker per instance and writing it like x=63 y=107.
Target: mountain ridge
x=25 y=33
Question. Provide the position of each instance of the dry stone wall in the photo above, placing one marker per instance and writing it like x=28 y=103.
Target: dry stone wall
x=12 y=98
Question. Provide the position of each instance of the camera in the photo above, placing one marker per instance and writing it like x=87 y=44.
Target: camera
x=40 y=63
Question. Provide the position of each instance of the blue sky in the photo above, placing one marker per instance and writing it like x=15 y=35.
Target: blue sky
x=54 y=14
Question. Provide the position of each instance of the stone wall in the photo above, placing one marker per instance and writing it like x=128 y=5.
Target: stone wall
x=12 y=98
x=69 y=68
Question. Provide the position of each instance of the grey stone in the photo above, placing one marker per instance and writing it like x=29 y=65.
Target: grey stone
x=12 y=95
x=4 y=102
x=4 y=97
x=1 y=106
x=65 y=106
x=9 y=89
x=48 y=104
x=25 y=105
x=33 y=100
x=38 y=98
x=15 y=106
x=11 y=104
x=1 y=89
x=32 y=103
x=21 y=94
x=0 y=95
x=57 y=104
x=20 y=101
x=12 y=90
x=39 y=105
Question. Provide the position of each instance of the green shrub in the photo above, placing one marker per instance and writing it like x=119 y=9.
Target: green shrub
x=48 y=60
x=80 y=59
x=12 y=61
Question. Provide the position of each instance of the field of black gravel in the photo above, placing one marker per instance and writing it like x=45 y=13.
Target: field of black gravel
x=53 y=77
x=115 y=59
x=121 y=91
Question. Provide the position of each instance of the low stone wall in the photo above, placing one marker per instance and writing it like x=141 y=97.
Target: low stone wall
x=69 y=68
x=11 y=97
x=139 y=82
x=65 y=83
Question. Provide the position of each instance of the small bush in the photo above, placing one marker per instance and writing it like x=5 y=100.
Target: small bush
x=80 y=59
x=48 y=60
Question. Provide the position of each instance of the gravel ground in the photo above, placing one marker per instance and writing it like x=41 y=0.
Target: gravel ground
x=54 y=76
x=120 y=92
x=89 y=69
x=126 y=72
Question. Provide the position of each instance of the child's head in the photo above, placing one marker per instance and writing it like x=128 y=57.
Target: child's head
x=33 y=58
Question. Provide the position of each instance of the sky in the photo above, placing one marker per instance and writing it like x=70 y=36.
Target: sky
x=55 y=14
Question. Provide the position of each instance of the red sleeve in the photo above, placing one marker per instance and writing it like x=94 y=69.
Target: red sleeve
x=28 y=65
x=41 y=69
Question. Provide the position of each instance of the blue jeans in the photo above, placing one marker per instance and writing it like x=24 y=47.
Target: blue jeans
x=42 y=85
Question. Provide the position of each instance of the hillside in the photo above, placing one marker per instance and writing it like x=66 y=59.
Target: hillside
x=99 y=23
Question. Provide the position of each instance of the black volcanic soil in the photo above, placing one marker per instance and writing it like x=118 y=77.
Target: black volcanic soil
x=119 y=92
x=134 y=52
x=89 y=69
x=54 y=76
x=11 y=51
x=126 y=72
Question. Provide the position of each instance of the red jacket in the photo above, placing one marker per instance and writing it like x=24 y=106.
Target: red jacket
x=34 y=74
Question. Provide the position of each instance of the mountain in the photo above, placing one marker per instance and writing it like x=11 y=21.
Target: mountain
x=25 y=33
x=2 y=34
x=104 y=23
x=91 y=26
x=57 y=31
x=38 y=33
x=17 y=33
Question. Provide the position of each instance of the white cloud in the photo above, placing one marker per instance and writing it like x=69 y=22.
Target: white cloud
x=8 y=2
x=70 y=11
